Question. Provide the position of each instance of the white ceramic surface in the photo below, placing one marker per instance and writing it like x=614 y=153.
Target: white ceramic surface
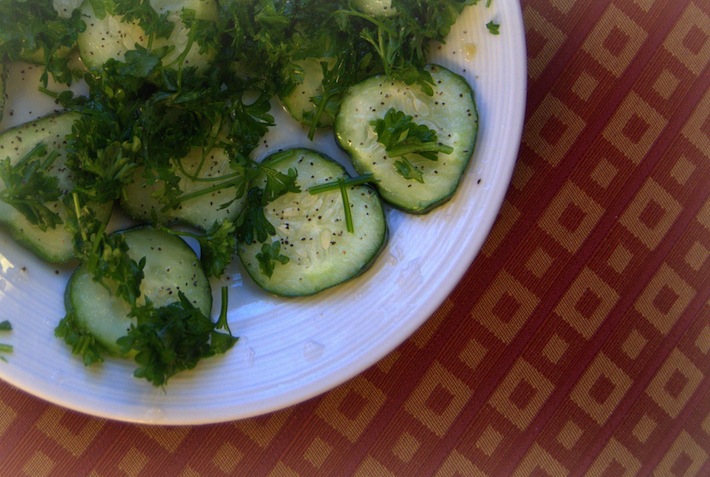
x=289 y=349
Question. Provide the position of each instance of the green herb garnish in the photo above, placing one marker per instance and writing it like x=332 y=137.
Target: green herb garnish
x=173 y=338
x=268 y=257
x=342 y=185
x=29 y=187
x=493 y=27
x=5 y=348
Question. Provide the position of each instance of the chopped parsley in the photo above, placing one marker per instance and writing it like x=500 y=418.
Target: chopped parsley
x=29 y=188
x=493 y=27
x=174 y=337
x=268 y=257
x=400 y=135
x=5 y=348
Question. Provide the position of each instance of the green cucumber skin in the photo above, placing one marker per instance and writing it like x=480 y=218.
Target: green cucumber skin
x=201 y=212
x=299 y=277
x=451 y=112
x=52 y=245
x=106 y=317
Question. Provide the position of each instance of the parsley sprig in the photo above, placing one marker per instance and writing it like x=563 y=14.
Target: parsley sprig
x=81 y=341
x=217 y=245
x=174 y=337
x=105 y=255
x=29 y=188
x=4 y=347
x=32 y=29
x=269 y=255
x=252 y=224
x=400 y=135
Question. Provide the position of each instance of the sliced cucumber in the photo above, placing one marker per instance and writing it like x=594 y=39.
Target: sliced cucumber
x=299 y=101
x=311 y=229
x=52 y=244
x=450 y=112
x=212 y=181
x=108 y=37
x=171 y=266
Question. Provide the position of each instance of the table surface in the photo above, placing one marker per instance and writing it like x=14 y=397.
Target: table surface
x=578 y=342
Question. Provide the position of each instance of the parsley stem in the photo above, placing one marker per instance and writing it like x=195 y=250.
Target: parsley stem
x=77 y=212
x=342 y=185
x=5 y=348
x=239 y=179
x=334 y=185
x=346 y=206
x=397 y=151
x=222 y=322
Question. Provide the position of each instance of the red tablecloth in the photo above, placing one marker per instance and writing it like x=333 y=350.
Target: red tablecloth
x=578 y=343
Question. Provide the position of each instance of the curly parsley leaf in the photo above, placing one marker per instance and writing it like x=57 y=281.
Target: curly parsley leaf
x=278 y=183
x=29 y=187
x=250 y=120
x=270 y=255
x=105 y=255
x=33 y=30
x=153 y=23
x=493 y=27
x=400 y=135
x=217 y=246
x=333 y=85
x=408 y=170
x=252 y=224
x=172 y=338
x=81 y=341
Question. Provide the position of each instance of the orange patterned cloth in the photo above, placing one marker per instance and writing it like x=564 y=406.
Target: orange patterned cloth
x=578 y=343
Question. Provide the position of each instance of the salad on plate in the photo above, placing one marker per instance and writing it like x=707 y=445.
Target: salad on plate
x=149 y=177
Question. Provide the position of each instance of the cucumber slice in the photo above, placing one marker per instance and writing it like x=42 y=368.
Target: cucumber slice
x=52 y=244
x=198 y=177
x=108 y=37
x=311 y=229
x=170 y=266
x=450 y=112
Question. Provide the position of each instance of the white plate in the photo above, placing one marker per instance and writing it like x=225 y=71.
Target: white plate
x=291 y=349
